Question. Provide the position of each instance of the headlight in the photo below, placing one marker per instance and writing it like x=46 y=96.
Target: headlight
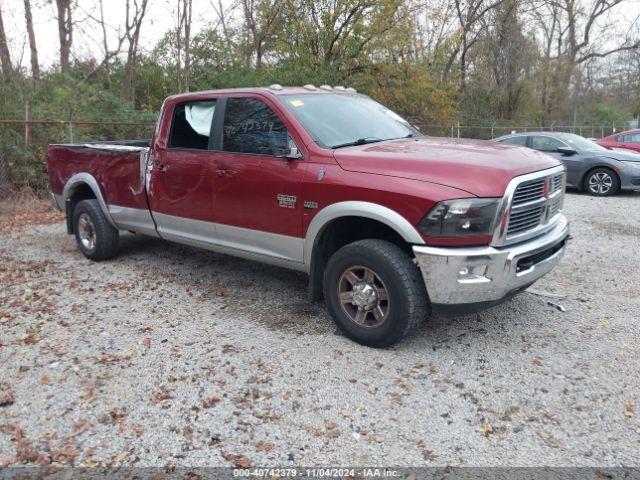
x=635 y=165
x=464 y=217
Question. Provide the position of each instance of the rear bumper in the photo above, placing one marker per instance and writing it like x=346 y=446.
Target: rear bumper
x=484 y=276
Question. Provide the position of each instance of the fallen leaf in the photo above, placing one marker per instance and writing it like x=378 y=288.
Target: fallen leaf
x=629 y=410
x=486 y=429
x=6 y=398
x=210 y=402
x=264 y=446
x=537 y=362
x=329 y=425
x=239 y=461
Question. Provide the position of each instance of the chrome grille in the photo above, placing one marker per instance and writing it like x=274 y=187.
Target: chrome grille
x=524 y=220
x=534 y=205
x=528 y=191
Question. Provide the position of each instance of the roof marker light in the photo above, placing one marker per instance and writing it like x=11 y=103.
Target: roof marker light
x=275 y=86
x=308 y=86
x=340 y=88
x=325 y=87
x=352 y=90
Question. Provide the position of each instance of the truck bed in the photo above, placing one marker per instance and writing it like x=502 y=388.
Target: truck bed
x=118 y=167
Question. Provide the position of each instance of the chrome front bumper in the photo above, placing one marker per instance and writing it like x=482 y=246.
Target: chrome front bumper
x=487 y=275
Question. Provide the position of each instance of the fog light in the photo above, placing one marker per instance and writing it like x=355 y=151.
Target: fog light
x=473 y=274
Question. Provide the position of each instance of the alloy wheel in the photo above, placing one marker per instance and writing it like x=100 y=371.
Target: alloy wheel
x=363 y=296
x=86 y=231
x=600 y=183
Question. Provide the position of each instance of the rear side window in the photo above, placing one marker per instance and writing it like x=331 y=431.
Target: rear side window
x=522 y=141
x=191 y=125
x=546 y=144
x=252 y=127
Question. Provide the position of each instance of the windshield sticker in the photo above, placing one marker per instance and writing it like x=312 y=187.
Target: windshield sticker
x=296 y=103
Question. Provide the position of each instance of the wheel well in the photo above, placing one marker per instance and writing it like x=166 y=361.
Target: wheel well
x=340 y=232
x=79 y=193
x=607 y=167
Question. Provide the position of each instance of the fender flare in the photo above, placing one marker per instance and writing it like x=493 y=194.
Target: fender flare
x=87 y=179
x=374 y=211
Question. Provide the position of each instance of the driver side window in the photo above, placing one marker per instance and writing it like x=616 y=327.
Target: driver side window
x=546 y=144
x=252 y=127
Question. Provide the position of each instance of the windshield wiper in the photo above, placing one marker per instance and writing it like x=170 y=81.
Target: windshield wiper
x=360 y=141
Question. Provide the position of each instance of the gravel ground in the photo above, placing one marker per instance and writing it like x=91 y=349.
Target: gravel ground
x=170 y=355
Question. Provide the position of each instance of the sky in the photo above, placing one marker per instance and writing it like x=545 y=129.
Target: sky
x=161 y=17
x=87 y=41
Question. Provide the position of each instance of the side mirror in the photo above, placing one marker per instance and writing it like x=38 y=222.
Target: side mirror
x=293 y=153
x=566 y=151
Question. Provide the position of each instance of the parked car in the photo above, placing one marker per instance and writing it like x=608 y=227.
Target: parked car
x=629 y=140
x=590 y=167
x=389 y=224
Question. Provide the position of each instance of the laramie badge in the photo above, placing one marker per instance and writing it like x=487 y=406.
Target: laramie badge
x=286 y=201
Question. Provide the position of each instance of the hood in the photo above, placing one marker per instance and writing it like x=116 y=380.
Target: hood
x=480 y=167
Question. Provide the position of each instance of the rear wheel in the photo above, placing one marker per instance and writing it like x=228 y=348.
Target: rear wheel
x=374 y=292
x=602 y=182
x=95 y=236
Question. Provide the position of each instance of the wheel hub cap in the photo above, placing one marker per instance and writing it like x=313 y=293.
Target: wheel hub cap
x=363 y=297
x=86 y=231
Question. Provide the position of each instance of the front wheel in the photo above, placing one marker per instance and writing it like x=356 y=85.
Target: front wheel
x=375 y=292
x=602 y=182
x=95 y=236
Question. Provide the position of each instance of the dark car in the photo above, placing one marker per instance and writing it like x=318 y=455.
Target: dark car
x=629 y=140
x=590 y=167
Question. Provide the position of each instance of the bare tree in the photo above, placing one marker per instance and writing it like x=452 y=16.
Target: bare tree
x=108 y=52
x=65 y=33
x=222 y=14
x=187 y=6
x=133 y=24
x=5 y=56
x=35 y=66
x=261 y=19
x=469 y=13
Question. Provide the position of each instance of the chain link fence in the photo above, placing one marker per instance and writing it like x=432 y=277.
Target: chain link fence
x=23 y=143
x=23 y=147
x=487 y=132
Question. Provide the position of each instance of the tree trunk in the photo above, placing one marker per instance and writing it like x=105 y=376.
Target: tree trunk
x=133 y=26
x=5 y=56
x=35 y=66
x=65 y=33
x=187 y=42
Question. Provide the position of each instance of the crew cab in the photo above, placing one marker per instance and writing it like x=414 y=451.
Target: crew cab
x=388 y=223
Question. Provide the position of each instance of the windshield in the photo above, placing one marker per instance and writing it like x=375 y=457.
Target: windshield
x=337 y=120
x=580 y=143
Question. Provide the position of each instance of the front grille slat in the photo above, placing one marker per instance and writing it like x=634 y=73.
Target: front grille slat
x=528 y=191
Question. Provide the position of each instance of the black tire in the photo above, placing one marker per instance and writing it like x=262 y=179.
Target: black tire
x=601 y=182
x=88 y=215
x=396 y=273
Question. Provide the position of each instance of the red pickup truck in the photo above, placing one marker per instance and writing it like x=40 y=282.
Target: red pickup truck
x=388 y=223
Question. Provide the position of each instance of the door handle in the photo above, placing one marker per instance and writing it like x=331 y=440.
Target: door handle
x=163 y=167
x=220 y=172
